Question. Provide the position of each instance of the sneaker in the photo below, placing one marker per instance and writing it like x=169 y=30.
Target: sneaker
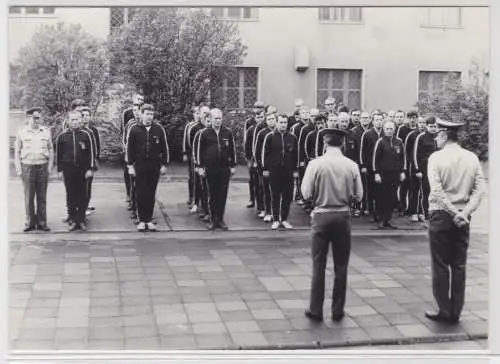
x=206 y=218
x=141 y=227
x=250 y=204
x=73 y=226
x=421 y=218
x=151 y=226
x=275 y=225
x=91 y=208
x=83 y=227
x=88 y=212
x=223 y=226
x=414 y=218
x=300 y=202
x=261 y=214
x=286 y=225
x=194 y=209
x=268 y=218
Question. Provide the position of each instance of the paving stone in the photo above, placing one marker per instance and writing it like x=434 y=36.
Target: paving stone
x=72 y=322
x=231 y=306
x=33 y=345
x=180 y=342
x=195 y=298
x=265 y=304
x=274 y=325
x=267 y=314
x=276 y=284
x=37 y=312
x=106 y=333
x=415 y=331
x=38 y=322
x=36 y=334
x=371 y=321
x=176 y=329
x=141 y=332
x=243 y=315
x=143 y=343
x=71 y=334
x=401 y=319
x=256 y=296
x=209 y=328
x=174 y=318
x=141 y=320
x=366 y=293
x=242 y=326
x=249 y=339
x=108 y=344
x=360 y=311
x=214 y=341
x=204 y=316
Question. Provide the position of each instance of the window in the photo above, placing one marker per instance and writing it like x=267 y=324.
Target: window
x=15 y=10
x=431 y=83
x=235 y=13
x=121 y=16
x=343 y=85
x=32 y=11
x=238 y=90
x=49 y=10
x=341 y=15
x=443 y=17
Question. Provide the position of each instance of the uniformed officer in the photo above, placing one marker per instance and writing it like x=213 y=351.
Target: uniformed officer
x=332 y=182
x=96 y=139
x=367 y=145
x=75 y=163
x=313 y=144
x=264 y=181
x=147 y=158
x=187 y=153
x=357 y=133
x=457 y=187
x=425 y=145
x=34 y=159
x=279 y=164
x=389 y=164
x=217 y=157
x=254 y=183
x=414 y=183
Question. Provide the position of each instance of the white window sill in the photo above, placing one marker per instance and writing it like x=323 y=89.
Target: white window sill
x=32 y=16
x=340 y=22
x=430 y=26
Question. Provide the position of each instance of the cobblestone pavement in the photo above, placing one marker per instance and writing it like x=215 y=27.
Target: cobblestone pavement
x=223 y=290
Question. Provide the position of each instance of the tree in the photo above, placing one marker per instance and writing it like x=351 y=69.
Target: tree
x=467 y=103
x=61 y=63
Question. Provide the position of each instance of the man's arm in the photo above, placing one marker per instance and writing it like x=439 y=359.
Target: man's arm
x=417 y=152
x=478 y=190
x=265 y=152
x=165 y=150
x=17 y=154
x=436 y=188
x=50 y=147
x=376 y=155
x=308 y=182
x=129 y=147
x=98 y=141
x=358 y=185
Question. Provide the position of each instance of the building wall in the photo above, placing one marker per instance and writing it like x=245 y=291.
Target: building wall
x=389 y=46
x=22 y=27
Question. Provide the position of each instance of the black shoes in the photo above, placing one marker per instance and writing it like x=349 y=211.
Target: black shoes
x=223 y=226
x=439 y=317
x=74 y=227
x=250 y=205
x=390 y=225
x=29 y=228
x=211 y=227
x=43 y=228
x=337 y=316
x=312 y=316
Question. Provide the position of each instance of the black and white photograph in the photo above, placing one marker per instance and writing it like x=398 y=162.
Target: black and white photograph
x=248 y=178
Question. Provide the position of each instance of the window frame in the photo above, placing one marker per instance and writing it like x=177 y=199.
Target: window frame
x=425 y=22
x=41 y=13
x=225 y=11
x=432 y=93
x=345 y=91
x=333 y=9
x=241 y=87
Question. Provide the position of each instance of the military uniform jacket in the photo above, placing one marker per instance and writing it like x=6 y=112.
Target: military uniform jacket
x=216 y=150
x=367 y=145
x=143 y=145
x=425 y=145
x=389 y=155
x=279 y=151
x=75 y=148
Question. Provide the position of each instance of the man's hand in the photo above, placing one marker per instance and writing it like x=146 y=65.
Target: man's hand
x=131 y=170
x=201 y=171
x=255 y=164
x=163 y=170
x=184 y=158
x=363 y=170
x=461 y=219
x=89 y=174
x=265 y=173
x=419 y=175
x=402 y=177
x=295 y=174
x=19 y=172
x=249 y=164
x=302 y=164
x=59 y=175
x=378 y=179
x=233 y=171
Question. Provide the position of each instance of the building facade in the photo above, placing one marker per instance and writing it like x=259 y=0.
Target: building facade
x=367 y=58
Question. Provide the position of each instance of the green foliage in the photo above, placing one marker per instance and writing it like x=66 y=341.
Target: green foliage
x=465 y=103
x=61 y=63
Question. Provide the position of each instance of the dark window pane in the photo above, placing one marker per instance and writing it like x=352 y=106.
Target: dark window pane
x=15 y=10
x=32 y=10
x=322 y=79
x=354 y=100
x=233 y=12
x=338 y=96
x=117 y=15
x=354 y=80
x=324 y=13
x=423 y=81
x=321 y=97
x=250 y=98
x=232 y=98
x=49 y=10
x=250 y=77
x=337 y=79
x=217 y=12
x=437 y=80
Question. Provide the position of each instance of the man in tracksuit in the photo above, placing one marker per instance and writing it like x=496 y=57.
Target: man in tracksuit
x=367 y=145
x=147 y=158
x=279 y=163
x=312 y=139
x=402 y=130
x=254 y=185
x=262 y=124
x=415 y=207
x=357 y=133
x=295 y=130
x=295 y=117
x=217 y=157
x=186 y=154
x=200 y=205
x=425 y=145
x=75 y=163
x=389 y=165
x=307 y=127
x=264 y=181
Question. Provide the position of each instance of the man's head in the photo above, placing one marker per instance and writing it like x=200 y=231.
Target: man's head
x=378 y=120
x=313 y=113
x=320 y=122
x=430 y=124
x=138 y=100
x=205 y=115
x=447 y=131
x=332 y=121
x=299 y=103
x=258 y=107
x=147 y=114
x=399 y=117
x=85 y=111
x=74 y=120
x=271 y=109
x=136 y=109
x=356 y=116
x=260 y=117
x=421 y=124
x=334 y=137
x=412 y=117
x=343 y=120
x=271 y=120
x=216 y=117
x=365 y=120
x=389 y=128
x=390 y=115
x=34 y=116
x=305 y=114
x=330 y=104
x=282 y=123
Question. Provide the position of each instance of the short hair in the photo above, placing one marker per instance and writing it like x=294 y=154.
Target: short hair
x=282 y=115
x=147 y=107
x=399 y=111
x=430 y=120
x=320 y=118
x=412 y=114
x=216 y=111
x=355 y=110
x=343 y=115
x=452 y=135
x=344 y=109
x=333 y=140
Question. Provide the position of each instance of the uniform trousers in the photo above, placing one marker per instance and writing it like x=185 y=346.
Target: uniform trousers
x=330 y=229
x=448 y=245
x=252 y=183
x=218 y=184
x=76 y=192
x=190 y=179
x=372 y=192
x=266 y=192
x=414 y=207
x=386 y=194
x=281 y=180
x=424 y=195
x=35 y=179
x=147 y=174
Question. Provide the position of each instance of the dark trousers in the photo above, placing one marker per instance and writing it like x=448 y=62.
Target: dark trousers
x=372 y=192
x=190 y=180
x=403 y=193
x=126 y=179
x=298 y=192
x=363 y=205
x=218 y=184
x=266 y=191
x=252 y=183
x=281 y=180
x=387 y=195
x=426 y=190
x=259 y=189
x=147 y=175
x=414 y=207
x=76 y=192
x=89 y=189
x=35 y=182
x=448 y=245
x=197 y=188
x=333 y=229
x=132 y=192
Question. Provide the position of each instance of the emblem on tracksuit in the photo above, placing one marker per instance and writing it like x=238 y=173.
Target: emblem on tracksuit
x=83 y=145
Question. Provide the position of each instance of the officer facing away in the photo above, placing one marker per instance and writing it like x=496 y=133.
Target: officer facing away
x=332 y=182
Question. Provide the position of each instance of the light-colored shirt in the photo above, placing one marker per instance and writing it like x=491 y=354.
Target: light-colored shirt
x=33 y=146
x=456 y=180
x=332 y=182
